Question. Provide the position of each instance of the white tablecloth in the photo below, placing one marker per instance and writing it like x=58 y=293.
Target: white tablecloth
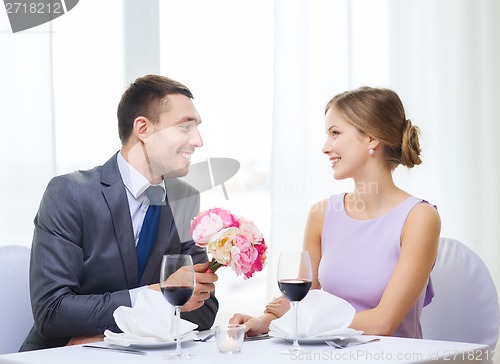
x=388 y=349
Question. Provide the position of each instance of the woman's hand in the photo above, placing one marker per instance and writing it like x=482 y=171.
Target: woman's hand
x=278 y=306
x=253 y=325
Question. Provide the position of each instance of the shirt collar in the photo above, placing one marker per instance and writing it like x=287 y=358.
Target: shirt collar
x=133 y=180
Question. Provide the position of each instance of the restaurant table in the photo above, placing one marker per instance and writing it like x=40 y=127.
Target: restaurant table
x=387 y=350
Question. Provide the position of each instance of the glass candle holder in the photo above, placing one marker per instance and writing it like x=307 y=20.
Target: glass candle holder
x=229 y=338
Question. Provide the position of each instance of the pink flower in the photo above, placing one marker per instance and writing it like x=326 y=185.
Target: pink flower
x=230 y=240
x=210 y=222
x=228 y=219
x=242 y=255
x=207 y=226
x=249 y=228
x=260 y=260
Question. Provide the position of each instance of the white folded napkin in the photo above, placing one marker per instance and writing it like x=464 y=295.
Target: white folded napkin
x=150 y=320
x=320 y=314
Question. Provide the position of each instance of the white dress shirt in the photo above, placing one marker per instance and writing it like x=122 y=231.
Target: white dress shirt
x=135 y=185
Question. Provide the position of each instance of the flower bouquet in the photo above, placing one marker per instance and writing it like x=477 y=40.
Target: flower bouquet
x=231 y=241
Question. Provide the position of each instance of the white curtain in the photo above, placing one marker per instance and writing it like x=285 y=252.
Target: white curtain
x=444 y=60
x=89 y=69
x=441 y=56
x=26 y=127
x=321 y=48
x=223 y=51
x=60 y=83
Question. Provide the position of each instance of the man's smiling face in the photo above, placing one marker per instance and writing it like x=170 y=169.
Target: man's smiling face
x=174 y=138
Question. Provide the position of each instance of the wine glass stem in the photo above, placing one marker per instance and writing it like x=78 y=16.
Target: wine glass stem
x=178 y=349
x=295 y=325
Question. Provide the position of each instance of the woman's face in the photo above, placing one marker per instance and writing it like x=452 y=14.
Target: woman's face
x=346 y=146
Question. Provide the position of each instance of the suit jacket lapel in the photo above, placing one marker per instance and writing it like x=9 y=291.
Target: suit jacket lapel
x=116 y=198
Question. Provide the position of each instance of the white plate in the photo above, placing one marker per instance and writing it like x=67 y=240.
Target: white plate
x=144 y=343
x=318 y=339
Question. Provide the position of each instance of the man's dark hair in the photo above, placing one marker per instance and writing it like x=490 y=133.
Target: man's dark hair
x=146 y=96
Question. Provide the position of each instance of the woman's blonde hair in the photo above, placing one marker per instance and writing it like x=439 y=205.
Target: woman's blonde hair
x=379 y=113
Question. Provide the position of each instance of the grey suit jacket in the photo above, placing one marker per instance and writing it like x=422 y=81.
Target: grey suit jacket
x=83 y=258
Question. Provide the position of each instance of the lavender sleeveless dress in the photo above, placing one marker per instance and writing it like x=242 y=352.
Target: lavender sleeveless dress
x=358 y=258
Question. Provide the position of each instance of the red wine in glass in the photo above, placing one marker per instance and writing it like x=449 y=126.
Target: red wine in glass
x=177 y=296
x=294 y=289
x=294 y=281
x=177 y=282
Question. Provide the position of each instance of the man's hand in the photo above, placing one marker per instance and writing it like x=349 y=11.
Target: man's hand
x=204 y=285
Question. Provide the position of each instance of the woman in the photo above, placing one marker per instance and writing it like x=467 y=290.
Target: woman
x=375 y=246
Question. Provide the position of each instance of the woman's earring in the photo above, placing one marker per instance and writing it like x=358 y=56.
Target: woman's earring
x=371 y=151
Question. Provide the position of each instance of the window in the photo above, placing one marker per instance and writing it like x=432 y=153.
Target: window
x=227 y=62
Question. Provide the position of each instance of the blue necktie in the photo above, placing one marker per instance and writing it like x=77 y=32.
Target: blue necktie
x=149 y=230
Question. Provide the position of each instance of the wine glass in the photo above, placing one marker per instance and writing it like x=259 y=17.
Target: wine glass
x=177 y=282
x=294 y=281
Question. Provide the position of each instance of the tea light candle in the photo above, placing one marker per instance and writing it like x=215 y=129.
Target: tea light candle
x=229 y=338
x=228 y=345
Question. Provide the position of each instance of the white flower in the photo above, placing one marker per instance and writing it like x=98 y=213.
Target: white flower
x=220 y=244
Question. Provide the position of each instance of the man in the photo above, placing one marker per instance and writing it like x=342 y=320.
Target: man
x=84 y=262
